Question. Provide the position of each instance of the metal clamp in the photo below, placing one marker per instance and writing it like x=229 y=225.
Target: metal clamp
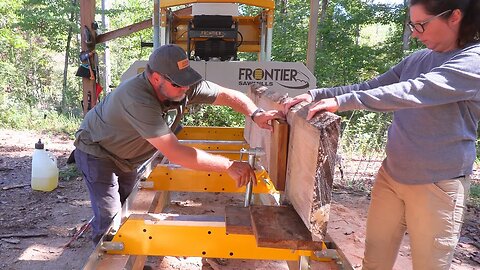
x=252 y=154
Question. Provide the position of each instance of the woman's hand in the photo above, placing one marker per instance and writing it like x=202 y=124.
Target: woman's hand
x=294 y=101
x=328 y=104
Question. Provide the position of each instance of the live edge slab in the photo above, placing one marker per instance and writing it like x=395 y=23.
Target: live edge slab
x=311 y=149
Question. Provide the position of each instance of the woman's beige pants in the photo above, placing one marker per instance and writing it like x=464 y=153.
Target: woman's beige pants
x=432 y=215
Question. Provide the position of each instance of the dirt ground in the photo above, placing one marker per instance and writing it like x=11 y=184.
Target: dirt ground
x=34 y=226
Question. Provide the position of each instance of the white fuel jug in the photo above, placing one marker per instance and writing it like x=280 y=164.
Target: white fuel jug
x=44 y=169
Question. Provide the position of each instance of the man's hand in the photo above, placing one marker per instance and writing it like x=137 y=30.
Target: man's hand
x=263 y=119
x=328 y=104
x=294 y=101
x=242 y=173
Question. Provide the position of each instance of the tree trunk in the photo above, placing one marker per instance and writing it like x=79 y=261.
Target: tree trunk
x=357 y=34
x=283 y=6
x=67 y=50
x=323 y=16
x=312 y=35
x=406 y=29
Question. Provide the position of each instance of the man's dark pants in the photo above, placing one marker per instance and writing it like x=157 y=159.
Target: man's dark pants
x=108 y=186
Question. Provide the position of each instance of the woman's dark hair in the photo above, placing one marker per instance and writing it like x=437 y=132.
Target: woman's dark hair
x=469 y=27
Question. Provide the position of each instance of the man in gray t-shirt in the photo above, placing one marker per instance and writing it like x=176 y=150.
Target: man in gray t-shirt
x=126 y=128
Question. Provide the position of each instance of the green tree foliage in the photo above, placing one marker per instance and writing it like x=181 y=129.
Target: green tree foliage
x=344 y=56
x=290 y=31
x=343 y=59
x=30 y=39
x=25 y=72
x=209 y=115
x=34 y=35
x=125 y=50
x=49 y=20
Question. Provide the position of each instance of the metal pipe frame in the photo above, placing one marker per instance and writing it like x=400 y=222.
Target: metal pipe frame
x=248 y=187
x=156 y=24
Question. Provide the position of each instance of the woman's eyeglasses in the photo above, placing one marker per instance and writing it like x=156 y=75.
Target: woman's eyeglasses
x=420 y=26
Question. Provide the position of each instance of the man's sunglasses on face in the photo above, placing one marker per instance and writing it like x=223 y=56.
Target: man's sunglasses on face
x=170 y=81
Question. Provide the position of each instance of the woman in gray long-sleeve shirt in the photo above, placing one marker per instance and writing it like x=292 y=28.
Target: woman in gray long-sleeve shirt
x=424 y=181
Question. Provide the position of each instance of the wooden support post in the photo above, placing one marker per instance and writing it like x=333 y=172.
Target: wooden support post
x=124 y=31
x=87 y=17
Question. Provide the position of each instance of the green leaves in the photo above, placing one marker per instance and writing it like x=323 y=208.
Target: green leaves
x=209 y=115
x=342 y=56
x=49 y=20
x=33 y=38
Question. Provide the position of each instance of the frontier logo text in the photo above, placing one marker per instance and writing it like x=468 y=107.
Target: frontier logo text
x=288 y=78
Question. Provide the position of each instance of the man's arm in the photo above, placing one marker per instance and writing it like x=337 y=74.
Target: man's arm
x=242 y=104
x=235 y=100
x=197 y=159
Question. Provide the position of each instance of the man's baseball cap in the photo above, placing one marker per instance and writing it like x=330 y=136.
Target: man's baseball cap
x=171 y=61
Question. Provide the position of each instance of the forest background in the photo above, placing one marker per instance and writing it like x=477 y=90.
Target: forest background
x=40 y=45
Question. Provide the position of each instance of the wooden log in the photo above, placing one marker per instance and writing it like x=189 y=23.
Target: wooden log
x=311 y=164
x=237 y=220
x=277 y=165
x=281 y=227
x=311 y=156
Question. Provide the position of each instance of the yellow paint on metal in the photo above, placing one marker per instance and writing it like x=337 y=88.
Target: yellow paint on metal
x=142 y=236
x=163 y=17
x=211 y=133
x=270 y=15
x=217 y=148
x=169 y=178
x=249 y=26
x=270 y=4
x=321 y=259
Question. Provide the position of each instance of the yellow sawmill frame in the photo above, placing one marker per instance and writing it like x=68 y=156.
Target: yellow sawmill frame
x=248 y=26
x=211 y=133
x=168 y=178
x=151 y=234
x=196 y=236
x=268 y=4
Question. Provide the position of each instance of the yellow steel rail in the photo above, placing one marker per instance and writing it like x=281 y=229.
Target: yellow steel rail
x=217 y=140
x=164 y=177
x=269 y=4
x=211 y=133
x=230 y=151
x=150 y=235
x=216 y=145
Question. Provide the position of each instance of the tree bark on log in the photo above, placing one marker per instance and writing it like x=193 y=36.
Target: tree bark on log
x=311 y=166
